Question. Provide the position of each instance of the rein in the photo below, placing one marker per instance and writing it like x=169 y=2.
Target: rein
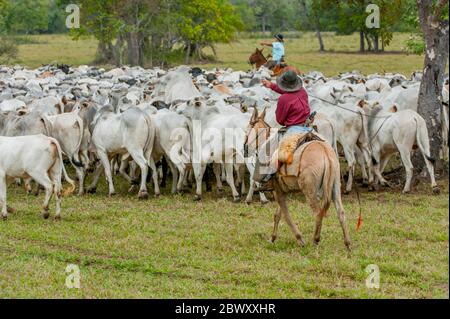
x=344 y=108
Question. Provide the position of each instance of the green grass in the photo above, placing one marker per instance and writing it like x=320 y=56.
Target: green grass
x=173 y=247
x=302 y=52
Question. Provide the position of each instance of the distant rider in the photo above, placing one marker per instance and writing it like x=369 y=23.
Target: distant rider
x=277 y=51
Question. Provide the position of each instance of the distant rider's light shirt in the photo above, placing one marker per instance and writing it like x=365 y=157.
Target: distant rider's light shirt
x=277 y=51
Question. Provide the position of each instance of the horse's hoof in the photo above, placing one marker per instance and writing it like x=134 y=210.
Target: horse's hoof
x=143 y=195
x=348 y=246
x=436 y=190
x=92 y=190
x=236 y=199
x=197 y=198
x=300 y=241
x=45 y=214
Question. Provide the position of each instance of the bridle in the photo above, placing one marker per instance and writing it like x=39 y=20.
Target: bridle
x=258 y=59
x=266 y=127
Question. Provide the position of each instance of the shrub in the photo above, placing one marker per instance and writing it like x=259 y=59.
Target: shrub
x=415 y=45
x=8 y=49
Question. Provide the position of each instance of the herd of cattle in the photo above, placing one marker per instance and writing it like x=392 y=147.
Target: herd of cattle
x=128 y=120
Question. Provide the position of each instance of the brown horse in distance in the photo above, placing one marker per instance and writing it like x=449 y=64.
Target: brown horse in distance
x=258 y=59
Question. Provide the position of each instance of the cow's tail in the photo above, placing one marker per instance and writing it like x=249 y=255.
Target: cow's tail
x=151 y=132
x=422 y=138
x=75 y=159
x=183 y=153
x=72 y=187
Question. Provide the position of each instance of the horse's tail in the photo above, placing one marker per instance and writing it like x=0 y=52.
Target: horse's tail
x=327 y=183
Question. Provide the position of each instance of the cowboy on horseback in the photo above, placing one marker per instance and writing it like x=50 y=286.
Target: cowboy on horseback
x=292 y=112
x=277 y=51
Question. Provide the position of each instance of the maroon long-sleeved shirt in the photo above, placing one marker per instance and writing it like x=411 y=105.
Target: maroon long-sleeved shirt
x=292 y=108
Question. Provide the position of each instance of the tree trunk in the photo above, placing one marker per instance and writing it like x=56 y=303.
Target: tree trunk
x=318 y=34
x=375 y=43
x=104 y=53
x=436 y=33
x=369 y=43
x=133 y=52
x=117 y=51
x=188 y=53
x=361 y=42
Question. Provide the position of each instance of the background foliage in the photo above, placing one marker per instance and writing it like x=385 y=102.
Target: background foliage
x=159 y=32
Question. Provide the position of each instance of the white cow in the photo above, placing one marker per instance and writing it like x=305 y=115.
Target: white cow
x=213 y=140
x=68 y=129
x=131 y=132
x=34 y=156
x=11 y=105
x=172 y=141
x=400 y=131
x=349 y=127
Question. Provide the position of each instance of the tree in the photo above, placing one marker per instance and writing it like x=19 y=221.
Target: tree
x=433 y=17
x=205 y=22
x=8 y=48
x=26 y=16
x=311 y=18
x=353 y=15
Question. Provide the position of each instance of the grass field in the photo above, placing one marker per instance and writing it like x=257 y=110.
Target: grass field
x=302 y=52
x=173 y=247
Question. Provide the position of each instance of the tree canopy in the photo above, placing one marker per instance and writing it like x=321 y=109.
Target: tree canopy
x=154 y=31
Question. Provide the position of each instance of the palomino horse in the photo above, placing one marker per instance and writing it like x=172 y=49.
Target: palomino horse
x=312 y=168
x=258 y=59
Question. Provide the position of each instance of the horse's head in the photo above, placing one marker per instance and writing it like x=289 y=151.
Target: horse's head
x=258 y=132
x=257 y=58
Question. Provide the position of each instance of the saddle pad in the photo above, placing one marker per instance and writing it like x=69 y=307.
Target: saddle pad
x=291 y=143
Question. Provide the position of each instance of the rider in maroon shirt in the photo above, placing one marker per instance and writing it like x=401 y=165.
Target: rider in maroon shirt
x=293 y=106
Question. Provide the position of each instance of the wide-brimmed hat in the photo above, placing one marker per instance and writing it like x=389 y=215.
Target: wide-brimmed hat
x=289 y=81
x=279 y=37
